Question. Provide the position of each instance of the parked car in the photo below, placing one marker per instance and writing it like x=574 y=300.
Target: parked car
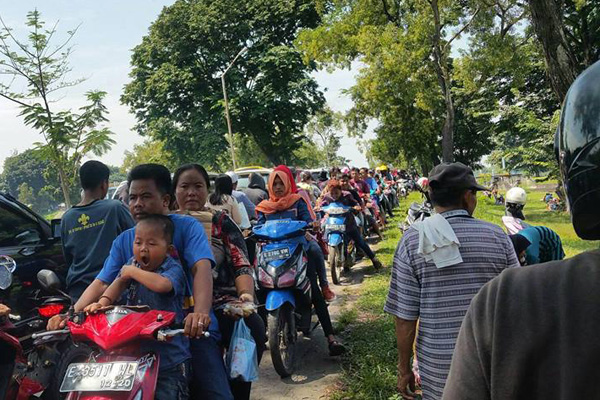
x=34 y=244
x=244 y=175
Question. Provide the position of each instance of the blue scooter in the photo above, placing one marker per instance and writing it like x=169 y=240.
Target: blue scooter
x=282 y=276
x=342 y=252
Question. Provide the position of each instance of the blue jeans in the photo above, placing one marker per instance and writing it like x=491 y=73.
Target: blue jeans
x=172 y=384
x=209 y=375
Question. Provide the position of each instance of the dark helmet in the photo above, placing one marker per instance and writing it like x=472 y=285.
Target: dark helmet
x=578 y=150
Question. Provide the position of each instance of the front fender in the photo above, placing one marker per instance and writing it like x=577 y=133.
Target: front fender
x=276 y=298
x=335 y=239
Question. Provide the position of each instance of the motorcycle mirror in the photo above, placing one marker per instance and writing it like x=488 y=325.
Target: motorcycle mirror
x=5 y=277
x=49 y=280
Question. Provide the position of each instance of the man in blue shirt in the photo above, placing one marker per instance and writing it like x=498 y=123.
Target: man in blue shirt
x=149 y=193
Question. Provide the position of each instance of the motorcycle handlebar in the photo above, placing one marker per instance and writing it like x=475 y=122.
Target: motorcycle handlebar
x=164 y=334
x=49 y=333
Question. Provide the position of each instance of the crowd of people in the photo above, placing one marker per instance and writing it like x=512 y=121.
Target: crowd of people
x=486 y=326
x=177 y=244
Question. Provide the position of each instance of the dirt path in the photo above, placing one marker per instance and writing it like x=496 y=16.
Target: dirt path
x=316 y=373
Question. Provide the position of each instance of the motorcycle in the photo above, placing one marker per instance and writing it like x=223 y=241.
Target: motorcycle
x=417 y=212
x=342 y=252
x=117 y=368
x=38 y=364
x=284 y=286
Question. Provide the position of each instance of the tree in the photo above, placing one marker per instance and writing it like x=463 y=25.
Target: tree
x=569 y=33
x=42 y=69
x=28 y=168
x=421 y=32
x=177 y=97
x=324 y=131
x=150 y=151
x=26 y=194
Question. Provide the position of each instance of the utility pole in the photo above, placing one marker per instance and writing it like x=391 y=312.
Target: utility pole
x=227 y=116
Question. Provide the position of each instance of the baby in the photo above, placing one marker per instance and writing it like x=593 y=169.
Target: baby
x=152 y=278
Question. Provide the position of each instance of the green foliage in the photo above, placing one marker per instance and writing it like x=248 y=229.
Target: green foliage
x=323 y=133
x=42 y=68
x=116 y=175
x=30 y=169
x=26 y=194
x=177 y=97
x=150 y=151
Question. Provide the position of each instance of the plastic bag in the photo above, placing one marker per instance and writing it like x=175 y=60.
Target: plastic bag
x=242 y=361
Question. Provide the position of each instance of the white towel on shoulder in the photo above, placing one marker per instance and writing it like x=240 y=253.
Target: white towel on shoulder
x=438 y=242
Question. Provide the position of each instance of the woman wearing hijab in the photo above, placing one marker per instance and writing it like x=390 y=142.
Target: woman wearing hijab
x=328 y=294
x=284 y=203
x=256 y=190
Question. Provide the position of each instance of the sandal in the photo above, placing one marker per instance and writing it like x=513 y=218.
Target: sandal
x=336 y=348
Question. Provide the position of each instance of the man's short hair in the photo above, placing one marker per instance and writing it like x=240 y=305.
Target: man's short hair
x=156 y=172
x=161 y=223
x=447 y=196
x=92 y=174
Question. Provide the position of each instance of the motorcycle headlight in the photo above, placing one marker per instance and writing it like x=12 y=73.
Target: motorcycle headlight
x=264 y=279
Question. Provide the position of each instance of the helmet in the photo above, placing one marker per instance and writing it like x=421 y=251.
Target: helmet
x=577 y=146
x=423 y=183
x=516 y=195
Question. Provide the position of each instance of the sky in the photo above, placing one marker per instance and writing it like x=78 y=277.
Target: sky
x=108 y=30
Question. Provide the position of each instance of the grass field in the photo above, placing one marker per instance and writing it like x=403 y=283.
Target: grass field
x=369 y=368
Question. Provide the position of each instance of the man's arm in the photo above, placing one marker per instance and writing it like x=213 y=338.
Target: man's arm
x=405 y=339
x=198 y=321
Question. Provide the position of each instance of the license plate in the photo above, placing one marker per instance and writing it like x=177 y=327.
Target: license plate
x=95 y=377
x=334 y=227
x=278 y=254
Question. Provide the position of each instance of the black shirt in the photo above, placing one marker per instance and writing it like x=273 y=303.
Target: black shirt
x=532 y=333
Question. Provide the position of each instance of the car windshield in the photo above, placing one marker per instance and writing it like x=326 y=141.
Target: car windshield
x=244 y=180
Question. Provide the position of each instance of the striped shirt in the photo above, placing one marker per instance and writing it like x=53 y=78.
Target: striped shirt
x=439 y=298
x=545 y=245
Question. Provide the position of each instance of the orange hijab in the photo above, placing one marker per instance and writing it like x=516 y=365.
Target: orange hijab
x=278 y=204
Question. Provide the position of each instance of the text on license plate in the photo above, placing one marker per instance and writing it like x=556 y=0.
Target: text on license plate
x=278 y=254
x=92 y=377
x=335 y=227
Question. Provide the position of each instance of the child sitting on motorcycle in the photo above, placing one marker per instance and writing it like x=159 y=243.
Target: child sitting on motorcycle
x=284 y=204
x=154 y=279
x=335 y=194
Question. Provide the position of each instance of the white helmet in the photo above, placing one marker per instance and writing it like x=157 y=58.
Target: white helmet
x=423 y=182
x=516 y=195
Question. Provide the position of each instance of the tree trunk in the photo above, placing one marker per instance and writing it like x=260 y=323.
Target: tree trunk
x=448 y=130
x=440 y=62
x=561 y=65
x=65 y=187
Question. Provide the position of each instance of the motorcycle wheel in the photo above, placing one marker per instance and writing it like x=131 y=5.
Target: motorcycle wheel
x=69 y=353
x=282 y=339
x=334 y=260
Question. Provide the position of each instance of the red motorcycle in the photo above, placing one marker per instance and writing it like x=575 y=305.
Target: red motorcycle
x=118 y=369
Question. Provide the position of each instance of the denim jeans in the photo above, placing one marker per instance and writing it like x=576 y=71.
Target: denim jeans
x=241 y=390
x=172 y=384
x=208 y=369
x=315 y=256
x=360 y=243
